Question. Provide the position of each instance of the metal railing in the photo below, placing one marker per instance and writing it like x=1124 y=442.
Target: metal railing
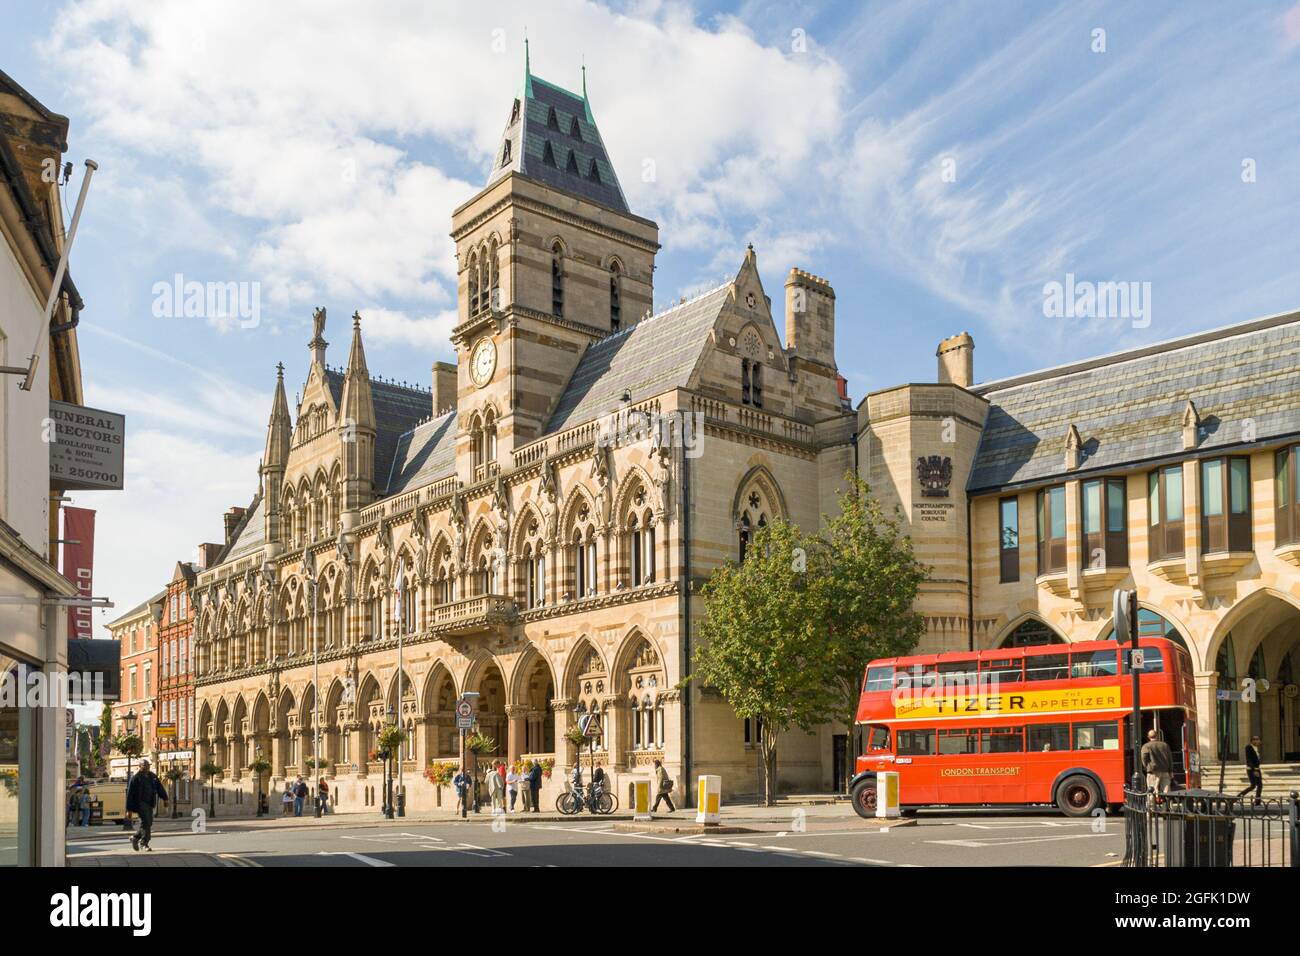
x=1195 y=828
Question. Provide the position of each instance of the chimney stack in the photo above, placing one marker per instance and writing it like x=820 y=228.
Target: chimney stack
x=232 y=519
x=208 y=554
x=810 y=317
x=957 y=360
x=444 y=387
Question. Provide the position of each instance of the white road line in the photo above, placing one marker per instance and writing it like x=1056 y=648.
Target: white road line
x=368 y=860
x=1017 y=841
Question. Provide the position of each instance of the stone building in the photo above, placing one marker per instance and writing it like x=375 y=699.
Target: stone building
x=533 y=527
x=1169 y=468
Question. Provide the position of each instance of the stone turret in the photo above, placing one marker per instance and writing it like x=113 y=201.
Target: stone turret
x=957 y=360
x=274 y=459
x=357 y=424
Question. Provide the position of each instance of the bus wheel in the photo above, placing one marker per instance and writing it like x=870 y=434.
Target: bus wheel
x=864 y=799
x=1077 y=796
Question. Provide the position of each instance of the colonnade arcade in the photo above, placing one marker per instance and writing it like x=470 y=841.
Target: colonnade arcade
x=519 y=706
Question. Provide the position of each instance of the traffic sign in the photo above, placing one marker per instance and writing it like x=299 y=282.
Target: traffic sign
x=464 y=723
x=590 y=724
x=1137 y=659
x=464 y=709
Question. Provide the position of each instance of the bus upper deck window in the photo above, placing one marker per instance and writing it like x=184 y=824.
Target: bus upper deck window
x=1094 y=664
x=879 y=678
x=1153 y=661
x=1047 y=666
x=1004 y=671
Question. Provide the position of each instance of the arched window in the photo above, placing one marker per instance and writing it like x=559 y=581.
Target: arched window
x=751 y=382
x=639 y=536
x=490 y=436
x=581 y=552
x=615 y=303
x=505 y=154
x=494 y=278
x=592 y=688
x=557 y=280
x=1151 y=624
x=473 y=284
x=752 y=518
x=1032 y=633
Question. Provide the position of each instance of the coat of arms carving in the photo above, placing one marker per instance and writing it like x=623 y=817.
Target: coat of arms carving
x=935 y=474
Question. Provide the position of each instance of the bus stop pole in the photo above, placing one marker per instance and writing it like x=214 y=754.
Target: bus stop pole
x=1139 y=781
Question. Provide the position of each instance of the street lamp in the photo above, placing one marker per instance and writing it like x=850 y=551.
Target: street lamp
x=129 y=722
x=388 y=770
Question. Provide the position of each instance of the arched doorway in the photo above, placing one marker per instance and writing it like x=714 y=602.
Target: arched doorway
x=534 y=693
x=1261 y=643
x=1152 y=624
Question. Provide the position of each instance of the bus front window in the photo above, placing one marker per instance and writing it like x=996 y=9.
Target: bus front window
x=878 y=738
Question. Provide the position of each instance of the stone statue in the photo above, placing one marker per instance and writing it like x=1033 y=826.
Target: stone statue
x=318 y=322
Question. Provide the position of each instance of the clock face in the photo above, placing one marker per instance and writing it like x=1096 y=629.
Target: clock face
x=483 y=361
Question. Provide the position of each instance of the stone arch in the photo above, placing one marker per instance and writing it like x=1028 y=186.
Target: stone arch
x=1107 y=631
x=761 y=478
x=635 y=482
x=1010 y=629
x=576 y=663
x=532 y=710
x=1277 y=611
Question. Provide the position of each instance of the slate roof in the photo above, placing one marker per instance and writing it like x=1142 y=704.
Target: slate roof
x=424 y=454
x=1129 y=407
x=398 y=409
x=541 y=145
x=251 y=534
x=655 y=355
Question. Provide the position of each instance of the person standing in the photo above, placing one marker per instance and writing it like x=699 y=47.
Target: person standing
x=286 y=799
x=534 y=784
x=1157 y=762
x=299 y=796
x=512 y=786
x=665 y=787
x=496 y=790
x=142 y=795
x=461 y=782
x=1254 y=772
x=83 y=806
x=323 y=795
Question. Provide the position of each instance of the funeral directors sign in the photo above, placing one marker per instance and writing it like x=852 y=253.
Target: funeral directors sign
x=86 y=448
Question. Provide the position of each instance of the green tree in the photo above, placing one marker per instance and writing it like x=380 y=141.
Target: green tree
x=758 y=643
x=863 y=578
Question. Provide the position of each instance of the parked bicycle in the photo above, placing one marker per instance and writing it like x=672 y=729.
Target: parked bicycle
x=580 y=798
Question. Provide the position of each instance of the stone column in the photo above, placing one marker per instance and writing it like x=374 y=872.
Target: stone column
x=616 y=712
x=564 y=751
x=516 y=719
x=1207 y=715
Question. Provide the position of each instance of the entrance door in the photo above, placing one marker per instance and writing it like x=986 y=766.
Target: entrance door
x=839 y=761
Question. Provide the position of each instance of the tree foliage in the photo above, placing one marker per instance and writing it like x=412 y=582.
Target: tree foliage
x=787 y=634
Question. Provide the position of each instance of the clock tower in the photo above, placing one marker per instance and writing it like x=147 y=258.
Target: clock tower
x=549 y=259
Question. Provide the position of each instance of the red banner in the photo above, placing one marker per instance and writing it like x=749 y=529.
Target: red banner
x=78 y=565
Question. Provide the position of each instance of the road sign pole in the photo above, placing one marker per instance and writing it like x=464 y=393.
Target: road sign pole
x=1132 y=614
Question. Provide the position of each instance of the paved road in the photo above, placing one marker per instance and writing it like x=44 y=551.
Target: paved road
x=938 y=839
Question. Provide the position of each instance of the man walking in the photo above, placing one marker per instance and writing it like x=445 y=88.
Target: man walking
x=534 y=784
x=1254 y=772
x=1157 y=762
x=665 y=787
x=142 y=796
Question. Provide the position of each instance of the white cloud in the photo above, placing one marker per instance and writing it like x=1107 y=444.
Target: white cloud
x=390 y=327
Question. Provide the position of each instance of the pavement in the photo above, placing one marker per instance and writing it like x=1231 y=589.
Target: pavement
x=798 y=833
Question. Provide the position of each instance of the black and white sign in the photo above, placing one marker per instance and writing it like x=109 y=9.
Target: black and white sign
x=87 y=448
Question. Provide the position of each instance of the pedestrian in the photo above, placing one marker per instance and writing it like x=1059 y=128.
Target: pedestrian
x=461 y=782
x=496 y=790
x=323 y=795
x=665 y=788
x=512 y=786
x=83 y=806
x=142 y=795
x=299 y=796
x=534 y=784
x=286 y=799
x=1157 y=762
x=1254 y=772
x=598 y=778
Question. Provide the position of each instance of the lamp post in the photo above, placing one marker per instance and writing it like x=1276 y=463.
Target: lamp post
x=388 y=770
x=261 y=807
x=129 y=722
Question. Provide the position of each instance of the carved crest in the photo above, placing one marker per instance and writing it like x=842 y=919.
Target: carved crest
x=935 y=475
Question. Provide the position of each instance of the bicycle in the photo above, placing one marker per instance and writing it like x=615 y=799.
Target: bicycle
x=573 y=802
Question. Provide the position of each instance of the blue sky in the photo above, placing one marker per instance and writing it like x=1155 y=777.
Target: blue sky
x=319 y=151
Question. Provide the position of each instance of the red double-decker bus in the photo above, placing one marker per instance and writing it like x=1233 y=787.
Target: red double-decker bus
x=1045 y=725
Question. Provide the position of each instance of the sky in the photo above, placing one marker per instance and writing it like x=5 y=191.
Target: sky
x=940 y=163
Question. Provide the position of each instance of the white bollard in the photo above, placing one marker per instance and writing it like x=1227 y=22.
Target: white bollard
x=641 y=798
x=709 y=800
x=887 y=795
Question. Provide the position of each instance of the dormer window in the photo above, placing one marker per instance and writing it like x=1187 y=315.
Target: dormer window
x=514 y=113
x=552 y=121
x=505 y=154
x=593 y=173
x=572 y=165
x=548 y=154
x=574 y=130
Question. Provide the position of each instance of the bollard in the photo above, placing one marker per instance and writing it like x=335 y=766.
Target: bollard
x=887 y=795
x=709 y=800
x=641 y=798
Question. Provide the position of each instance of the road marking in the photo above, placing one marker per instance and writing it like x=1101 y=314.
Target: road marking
x=233 y=859
x=368 y=860
x=1017 y=841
